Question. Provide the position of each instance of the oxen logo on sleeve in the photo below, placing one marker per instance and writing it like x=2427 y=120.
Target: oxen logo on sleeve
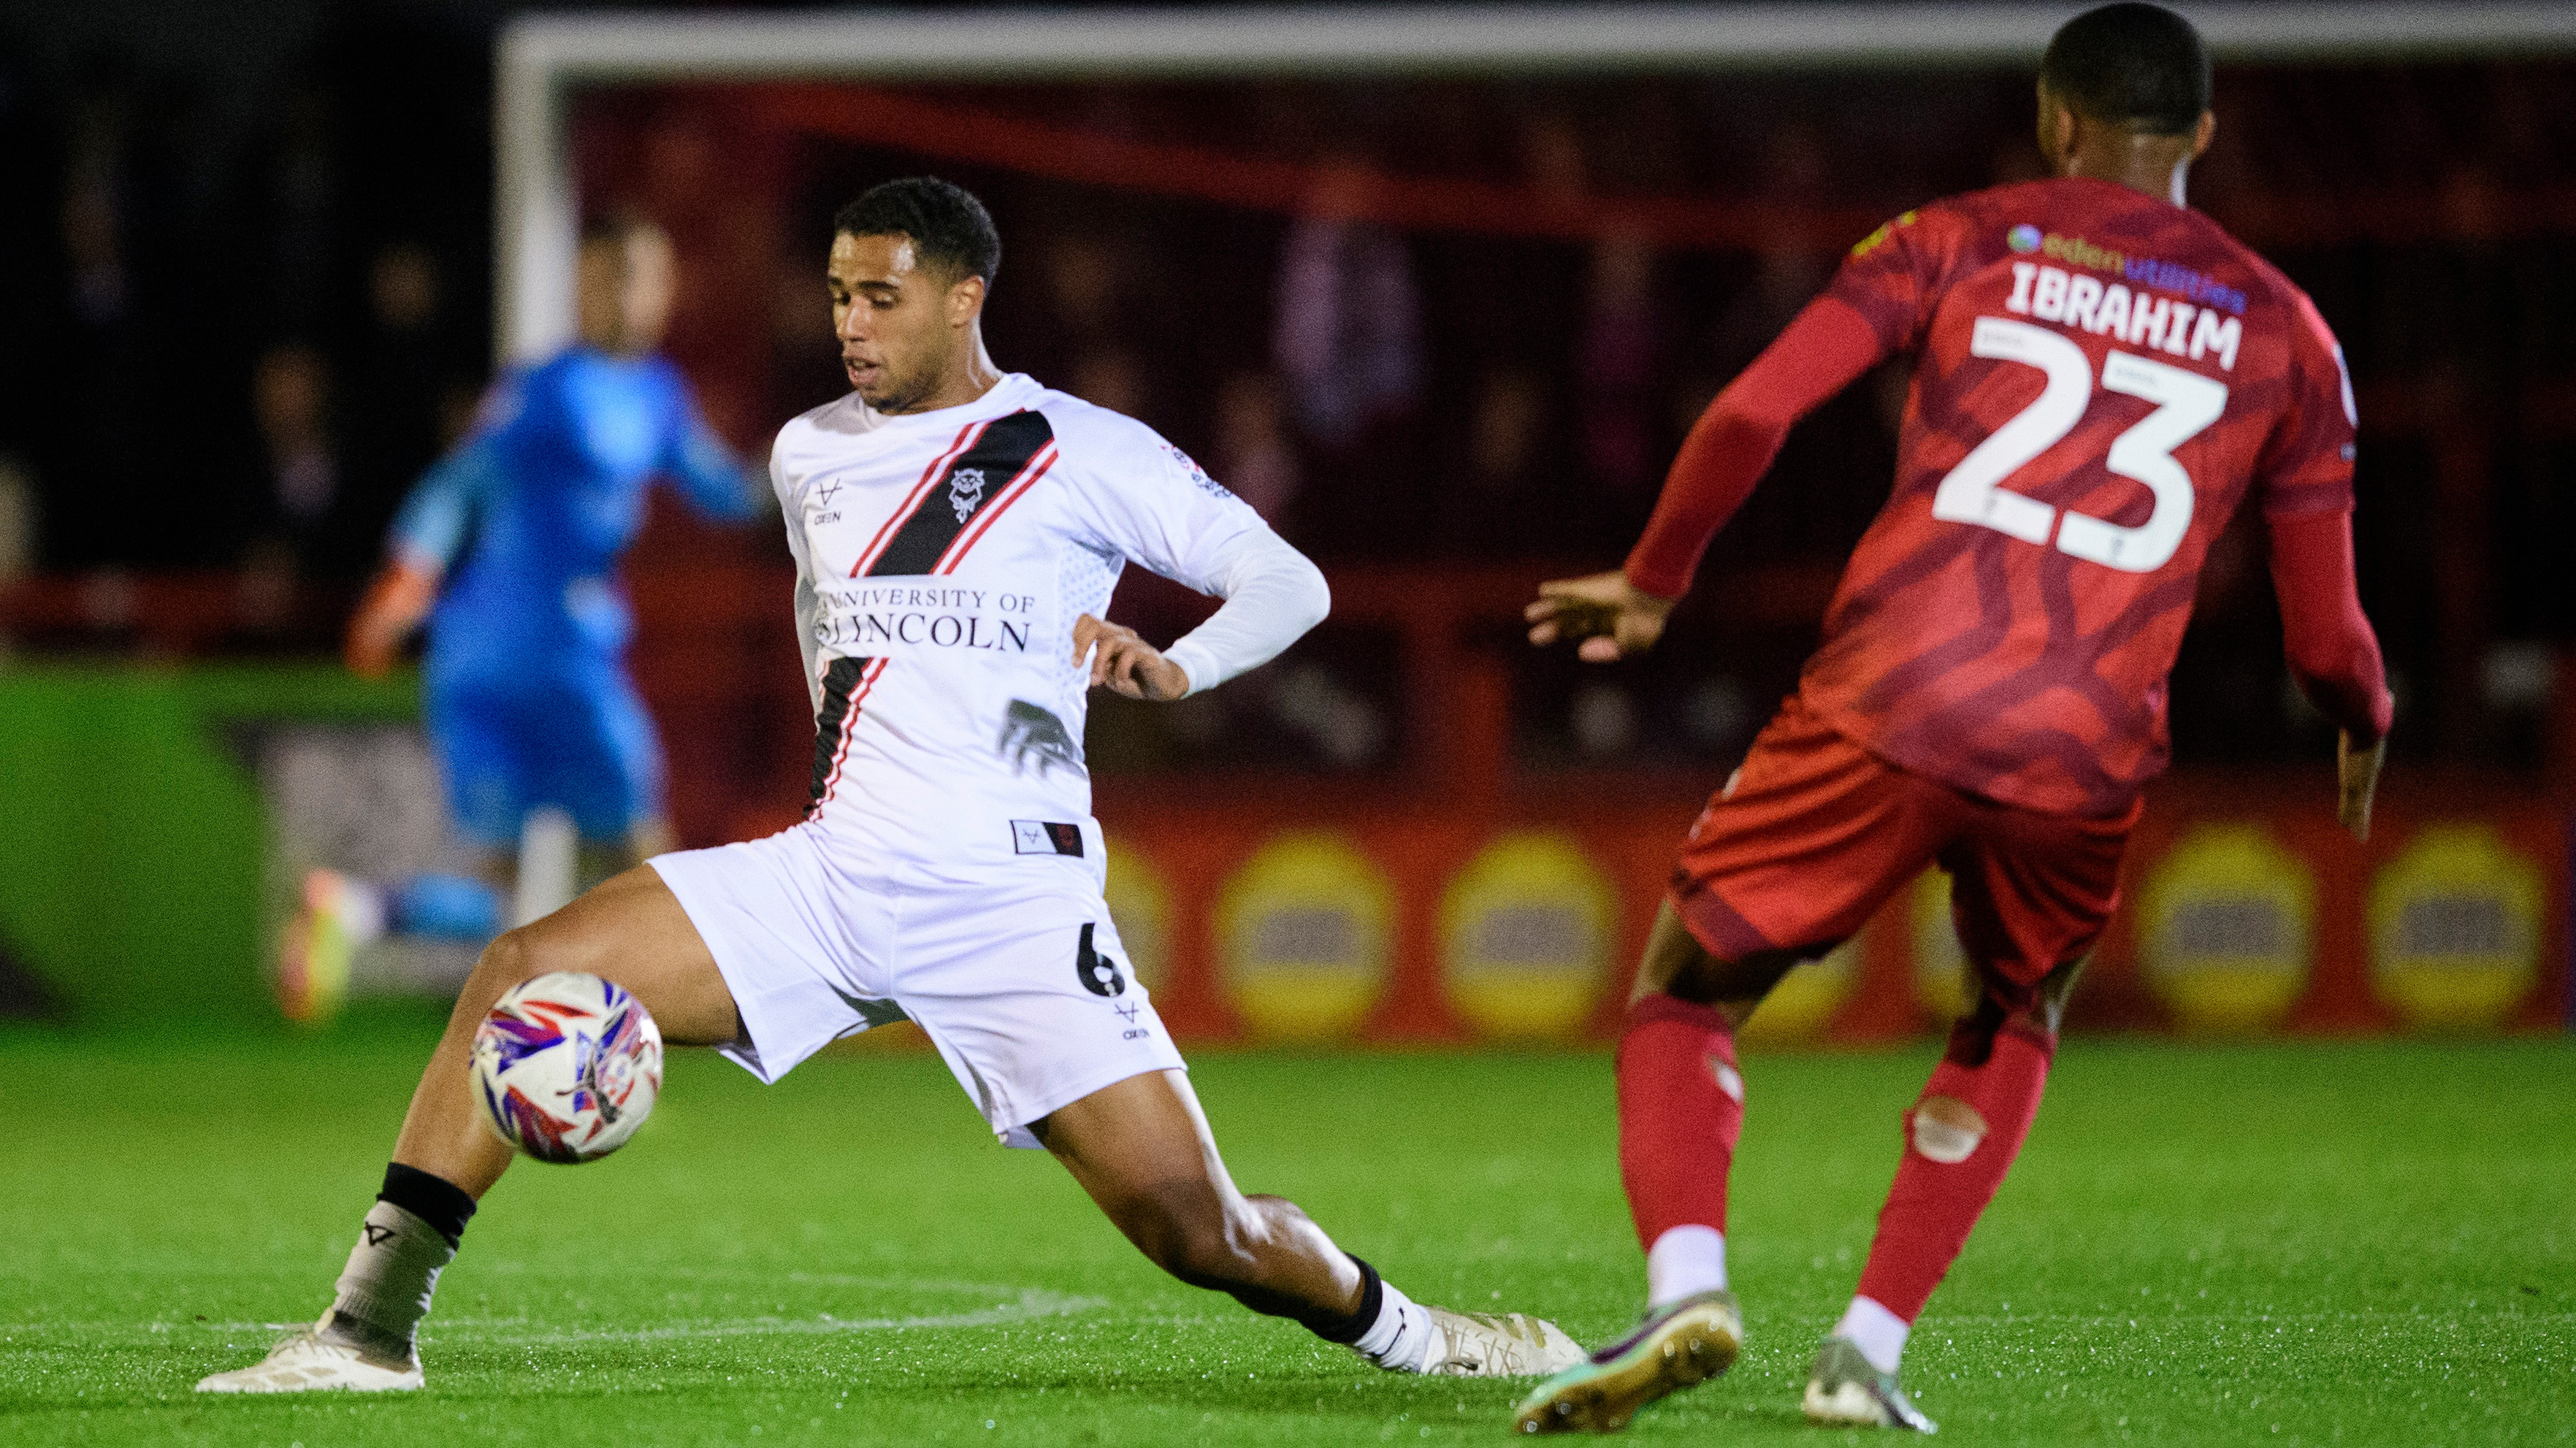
x=1197 y=474
x=965 y=490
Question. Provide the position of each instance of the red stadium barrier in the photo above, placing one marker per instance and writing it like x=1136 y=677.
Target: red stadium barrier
x=1468 y=899
x=2246 y=911
x=2466 y=208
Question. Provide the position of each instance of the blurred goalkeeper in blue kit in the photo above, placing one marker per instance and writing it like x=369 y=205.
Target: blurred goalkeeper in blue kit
x=508 y=548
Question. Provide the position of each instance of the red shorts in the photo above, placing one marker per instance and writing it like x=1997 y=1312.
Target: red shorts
x=1814 y=833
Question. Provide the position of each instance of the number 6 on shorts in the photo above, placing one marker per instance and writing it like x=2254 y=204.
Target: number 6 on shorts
x=1099 y=973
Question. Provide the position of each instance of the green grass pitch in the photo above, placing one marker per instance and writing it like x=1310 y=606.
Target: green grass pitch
x=2303 y=1243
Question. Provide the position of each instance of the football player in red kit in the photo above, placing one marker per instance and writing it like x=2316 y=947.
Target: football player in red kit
x=2102 y=376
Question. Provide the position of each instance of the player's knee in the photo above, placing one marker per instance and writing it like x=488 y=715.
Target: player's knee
x=512 y=957
x=1946 y=1129
x=2055 y=989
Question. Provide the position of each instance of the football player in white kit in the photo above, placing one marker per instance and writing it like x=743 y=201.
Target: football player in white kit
x=957 y=532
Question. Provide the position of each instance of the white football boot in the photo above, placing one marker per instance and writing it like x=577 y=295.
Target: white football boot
x=311 y=1362
x=1846 y=1390
x=1509 y=1345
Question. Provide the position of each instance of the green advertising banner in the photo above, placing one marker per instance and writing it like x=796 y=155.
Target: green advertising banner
x=135 y=847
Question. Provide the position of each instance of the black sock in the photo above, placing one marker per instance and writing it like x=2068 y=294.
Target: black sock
x=443 y=1204
x=1333 y=1327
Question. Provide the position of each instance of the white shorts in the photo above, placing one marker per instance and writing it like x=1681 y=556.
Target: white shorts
x=1019 y=980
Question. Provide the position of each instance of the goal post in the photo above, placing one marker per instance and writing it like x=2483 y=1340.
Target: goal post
x=542 y=58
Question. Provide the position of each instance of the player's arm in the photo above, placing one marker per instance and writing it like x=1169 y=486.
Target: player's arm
x=1273 y=594
x=1139 y=497
x=2333 y=652
x=712 y=479
x=1620 y=614
x=2305 y=477
x=427 y=534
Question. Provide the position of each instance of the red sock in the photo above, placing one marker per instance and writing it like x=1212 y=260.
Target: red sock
x=1934 y=1204
x=1681 y=1106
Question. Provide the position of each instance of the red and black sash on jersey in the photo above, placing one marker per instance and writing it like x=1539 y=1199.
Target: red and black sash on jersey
x=930 y=533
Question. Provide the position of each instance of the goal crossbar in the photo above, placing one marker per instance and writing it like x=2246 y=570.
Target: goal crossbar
x=541 y=58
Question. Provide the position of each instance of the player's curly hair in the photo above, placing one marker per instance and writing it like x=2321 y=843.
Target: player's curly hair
x=949 y=228
x=2131 y=64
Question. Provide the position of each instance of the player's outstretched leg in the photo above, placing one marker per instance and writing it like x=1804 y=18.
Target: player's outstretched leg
x=1681 y=1106
x=629 y=930
x=1143 y=1150
x=1961 y=1137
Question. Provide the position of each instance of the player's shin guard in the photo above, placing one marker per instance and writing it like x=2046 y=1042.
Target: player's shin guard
x=408 y=1238
x=1681 y=1107
x=1960 y=1139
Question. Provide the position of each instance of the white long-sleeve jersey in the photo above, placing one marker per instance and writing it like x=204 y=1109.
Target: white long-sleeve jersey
x=942 y=559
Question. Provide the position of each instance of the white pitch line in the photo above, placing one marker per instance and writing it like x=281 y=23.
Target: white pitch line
x=1032 y=1305
x=1021 y=1304
x=1026 y=1305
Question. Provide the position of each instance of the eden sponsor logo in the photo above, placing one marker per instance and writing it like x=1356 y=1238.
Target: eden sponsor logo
x=2201 y=289
x=2080 y=301
x=885 y=617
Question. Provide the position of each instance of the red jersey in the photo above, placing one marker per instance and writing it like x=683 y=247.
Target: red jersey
x=2100 y=378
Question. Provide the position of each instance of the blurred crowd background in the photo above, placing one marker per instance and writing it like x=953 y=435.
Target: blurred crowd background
x=246 y=288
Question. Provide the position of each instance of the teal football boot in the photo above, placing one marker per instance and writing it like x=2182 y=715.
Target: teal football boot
x=1677 y=1346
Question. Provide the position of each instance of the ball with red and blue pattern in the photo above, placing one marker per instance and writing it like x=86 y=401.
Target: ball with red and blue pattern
x=566 y=1066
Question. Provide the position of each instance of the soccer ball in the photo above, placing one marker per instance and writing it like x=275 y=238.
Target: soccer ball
x=566 y=1066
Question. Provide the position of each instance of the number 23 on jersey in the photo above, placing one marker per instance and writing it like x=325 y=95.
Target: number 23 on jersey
x=2186 y=403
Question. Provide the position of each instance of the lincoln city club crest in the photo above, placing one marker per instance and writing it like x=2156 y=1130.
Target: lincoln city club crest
x=965 y=490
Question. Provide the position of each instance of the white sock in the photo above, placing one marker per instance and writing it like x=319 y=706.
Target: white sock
x=392 y=1272
x=1404 y=1338
x=1877 y=1332
x=362 y=910
x=1684 y=1260
x=549 y=864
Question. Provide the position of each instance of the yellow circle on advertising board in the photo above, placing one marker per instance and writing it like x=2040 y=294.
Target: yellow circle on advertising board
x=2455 y=929
x=1525 y=937
x=2226 y=928
x=1803 y=1003
x=1940 y=964
x=1304 y=931
x=1140 y=905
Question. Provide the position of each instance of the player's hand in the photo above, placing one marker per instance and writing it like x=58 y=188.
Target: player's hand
x=1614 y=618
x=395 y=604
x=2356 y=781
x=1125 y=664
